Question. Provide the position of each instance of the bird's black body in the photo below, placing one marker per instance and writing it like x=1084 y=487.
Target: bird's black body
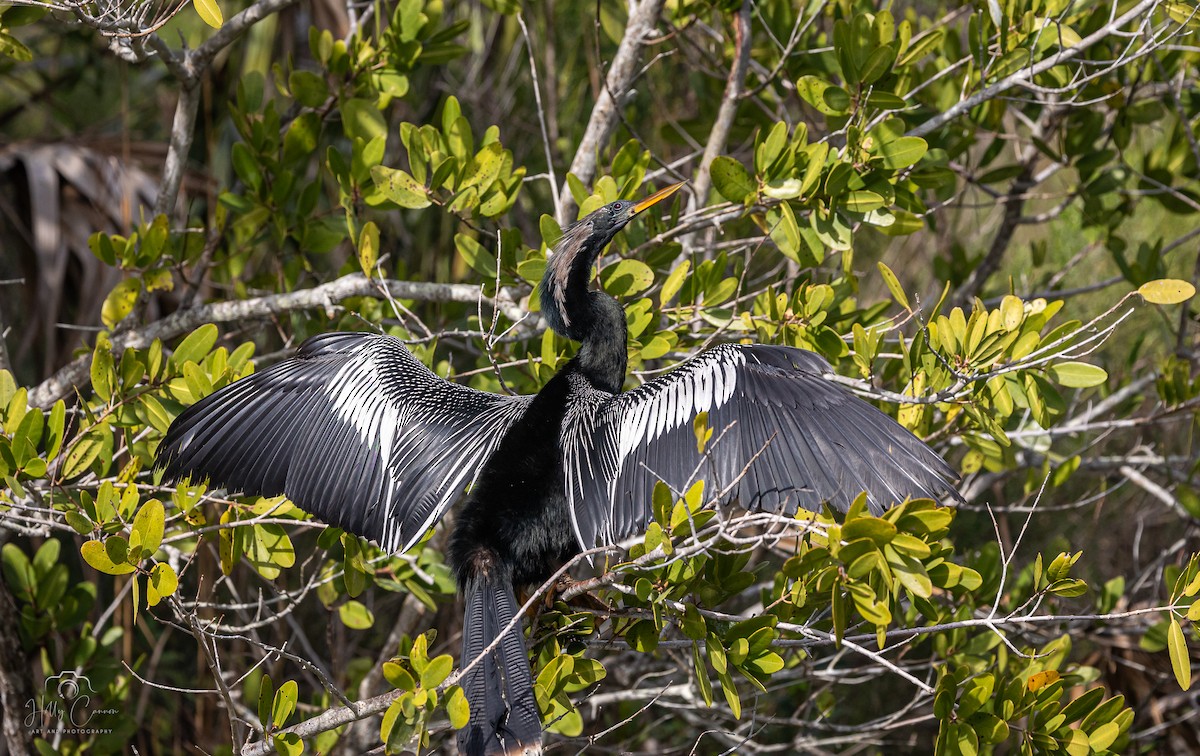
x=358 y=432
x=516 y=512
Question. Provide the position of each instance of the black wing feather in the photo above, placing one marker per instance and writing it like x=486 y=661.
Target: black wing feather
x=353 y=429
x=784 y=438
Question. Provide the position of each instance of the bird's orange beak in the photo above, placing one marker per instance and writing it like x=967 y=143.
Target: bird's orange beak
x=657 y=197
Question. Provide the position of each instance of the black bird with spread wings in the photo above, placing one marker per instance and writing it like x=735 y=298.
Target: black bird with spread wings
x=358 y=432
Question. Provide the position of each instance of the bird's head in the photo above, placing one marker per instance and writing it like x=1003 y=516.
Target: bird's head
x=564 y=285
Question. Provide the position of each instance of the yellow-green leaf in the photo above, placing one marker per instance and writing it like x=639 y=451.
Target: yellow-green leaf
x=85 y=450
x=457 y=708
x=96 y=555
x=1178 y=651
x=479 y=257
x=1012 y=312
x=1166 y=291
x=209 y=12
x=893 y=285
x=161 y=583
x=674 y=283
x=288 y=744
x=626 y=277
x=149 y=524
x=355 y=616
x=731 y=179
x=438 y=670
x=399 y=187
x=368 y=248
x=1077 y=374
x=284 y=703
x=120 y=301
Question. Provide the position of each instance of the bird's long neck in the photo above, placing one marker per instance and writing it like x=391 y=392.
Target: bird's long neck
x=603 y=355
x=575 y=310
x=564 y=290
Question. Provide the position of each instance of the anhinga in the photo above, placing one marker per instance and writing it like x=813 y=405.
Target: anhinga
x=359 y=433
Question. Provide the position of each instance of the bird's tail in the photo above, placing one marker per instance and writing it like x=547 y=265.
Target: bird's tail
x=499 y=688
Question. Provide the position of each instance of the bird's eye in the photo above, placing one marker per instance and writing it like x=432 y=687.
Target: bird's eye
x=619 y=205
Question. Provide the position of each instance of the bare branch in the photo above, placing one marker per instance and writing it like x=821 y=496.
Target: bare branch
x=183 y=321
x=1026 y=74
x=605 y=112
x=724 y=120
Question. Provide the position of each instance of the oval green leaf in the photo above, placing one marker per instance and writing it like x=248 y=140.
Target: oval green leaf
x=1166 y=291
x=457 y=708
x=731 y=179
x=626 y=277
x=1178 y=650
x=96 y=555
x=1077 y=374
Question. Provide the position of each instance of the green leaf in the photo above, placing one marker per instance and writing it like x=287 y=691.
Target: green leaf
x=693 y=625
x=837 y=99
x=438 y=670
x=814 y=90
x=149 y=525
x=902 y=152
x=400 y=188
x=731 y=179
x=1077 y=374
x=308 y=88
x=702 y=678
x=731 y=694
x=161 y=583
x=284 y=703
x=476 y=255
x=398 y=676
x=1178 y=651
x=1166 y=291
x=368 y=248
x=361 y=119
x=355 y=616
x=893 y=284
x=457 y=708
x=95 y=554
x=642 y=636
x=103 y=372
x=878 y=64
x=626 y=277
x=209 y=12
x=196 y=346
x=288 y=744
x=120 y=301
x=673 y=283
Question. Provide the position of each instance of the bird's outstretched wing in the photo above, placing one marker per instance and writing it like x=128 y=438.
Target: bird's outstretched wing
x=783 y=437
x=353 y=428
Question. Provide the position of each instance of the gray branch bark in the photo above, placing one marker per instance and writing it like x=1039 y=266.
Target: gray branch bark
x=180 y=322
x=603 y=119
x=189 y=67
x=719 y=135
